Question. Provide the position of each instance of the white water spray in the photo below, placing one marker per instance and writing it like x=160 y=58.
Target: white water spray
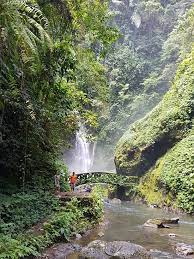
x=83 y=153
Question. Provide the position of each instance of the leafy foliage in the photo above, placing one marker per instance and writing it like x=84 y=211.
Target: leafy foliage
x=61 y=226
x=142 y=63
x=151 y=137
x=50 y=70
x=51 y=75
x=171 y=181
x=21 y=211
x=180 y=40
x=178 y=173
x=164 y=140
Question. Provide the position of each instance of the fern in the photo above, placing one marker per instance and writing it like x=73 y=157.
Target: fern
x=24 y=25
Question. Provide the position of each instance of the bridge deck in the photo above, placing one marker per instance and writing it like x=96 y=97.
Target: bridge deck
x=106 y=177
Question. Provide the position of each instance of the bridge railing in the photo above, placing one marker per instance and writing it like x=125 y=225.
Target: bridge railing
x=106 y=177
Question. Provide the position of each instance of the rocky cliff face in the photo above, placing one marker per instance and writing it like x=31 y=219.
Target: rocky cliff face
x=161 y=145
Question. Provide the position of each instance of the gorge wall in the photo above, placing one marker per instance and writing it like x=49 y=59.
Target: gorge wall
x=160 y=147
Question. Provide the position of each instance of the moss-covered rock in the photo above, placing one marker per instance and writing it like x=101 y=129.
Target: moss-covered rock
x=150 y=138
x=171 y=181
x=160 y=147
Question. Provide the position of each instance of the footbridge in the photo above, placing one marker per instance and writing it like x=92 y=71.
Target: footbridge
x=111 y=178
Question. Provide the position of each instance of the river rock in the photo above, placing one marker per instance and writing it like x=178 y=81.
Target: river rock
x=78 y=236
x=153 y=206
x=154 y=223
x=117 y=249
x=172 y=235
x=184 y=249
x=160 y=223
x=94 y=250
x=160 y=254
x=170 y=221
x=60 y=251
x=100 y=234
x=115 y=201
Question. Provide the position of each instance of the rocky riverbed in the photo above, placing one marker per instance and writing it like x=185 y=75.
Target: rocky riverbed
x=125 y=223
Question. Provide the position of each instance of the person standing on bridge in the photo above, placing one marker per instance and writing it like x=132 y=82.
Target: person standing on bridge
x=73 y=180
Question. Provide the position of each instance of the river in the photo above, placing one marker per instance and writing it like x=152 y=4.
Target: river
x=125 y=222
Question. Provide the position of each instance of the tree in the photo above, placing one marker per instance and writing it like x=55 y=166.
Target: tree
x=46 y=49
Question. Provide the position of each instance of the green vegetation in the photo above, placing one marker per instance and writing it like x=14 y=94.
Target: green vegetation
x=151 y=137
x=104 y=64
x=166 y=130
x=50 y=69
x=51 y=77
x=76 y=216
x=21 y=211
x=177 y=174
x=159 y=147
x=171 y=182
x=156 y=36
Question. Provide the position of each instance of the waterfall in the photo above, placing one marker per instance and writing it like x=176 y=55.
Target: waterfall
x=82 y=158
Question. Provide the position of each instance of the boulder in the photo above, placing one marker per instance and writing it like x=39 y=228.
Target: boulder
x=117 y=249
x=95 y=250
x=184 y=249
x=160 y=223
x=160 y=254
x=154 y=223
x=115 y=201
x=170 y=221
x=60 y=251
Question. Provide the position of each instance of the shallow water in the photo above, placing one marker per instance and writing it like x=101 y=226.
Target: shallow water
x=126 y=223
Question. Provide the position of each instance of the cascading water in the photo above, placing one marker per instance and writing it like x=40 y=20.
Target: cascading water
x=82 y=157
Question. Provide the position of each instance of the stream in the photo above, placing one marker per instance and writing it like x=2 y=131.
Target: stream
x=125 y=222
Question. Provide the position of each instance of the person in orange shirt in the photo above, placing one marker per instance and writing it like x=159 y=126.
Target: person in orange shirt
x=73 y=180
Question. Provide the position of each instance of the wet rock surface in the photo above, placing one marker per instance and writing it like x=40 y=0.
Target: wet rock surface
x=117 y=249
x=170 y=221
x=184 y=250
x=115 y=201
x=160 y=254
x=124 y=222
x=160 y=223
x=154 y=206
x=78 y=236
x=100 y=234
x=60 y=251
x=172 y=235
